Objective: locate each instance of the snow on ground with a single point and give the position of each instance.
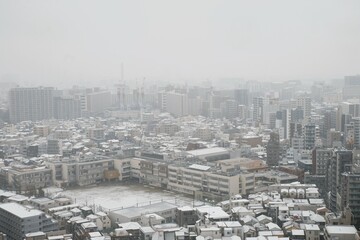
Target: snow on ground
(111, 197)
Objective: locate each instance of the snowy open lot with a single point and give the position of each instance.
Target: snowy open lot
(111, 197)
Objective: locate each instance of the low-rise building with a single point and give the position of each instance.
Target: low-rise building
(186, 216)
(340, 232)
(28, 179)
(133, 214)
(203, 181)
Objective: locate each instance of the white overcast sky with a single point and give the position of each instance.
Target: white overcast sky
(79, 41)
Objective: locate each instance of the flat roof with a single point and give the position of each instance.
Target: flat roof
(186, 208)
(213, 212)
(312, 227)
(138, 211)
(207, 151)
(297, 232)
(199, 167)
(232, 224)
(335, 229)
(35, 234)
(19, 210)
(41, 200)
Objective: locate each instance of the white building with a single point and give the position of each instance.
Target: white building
(341, 232)
(177, 104)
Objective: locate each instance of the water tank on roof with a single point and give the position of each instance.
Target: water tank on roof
(284, 192)
(292, 192)
(301, 193)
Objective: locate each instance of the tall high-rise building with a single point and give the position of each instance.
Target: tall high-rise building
(295, 130)
(231, 109)
(273, 149)
(98, 101)
(356, 127)
(31, 104)
(297, 114)
(329, 122)
(309, 135)
(242, 110)
(349, 194)
(283, 123)
(241, 96)
(351, 87)
(305, 104)
(320, 160)
(270, 107)
(340, 162)
(67, 108)
(258, 104)
(162, 101)
(177, 104)
(351, 108)
(195, 106)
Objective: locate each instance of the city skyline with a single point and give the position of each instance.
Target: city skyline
(179, 120)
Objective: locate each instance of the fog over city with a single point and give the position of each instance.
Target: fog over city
(61, 43)
(179, 120)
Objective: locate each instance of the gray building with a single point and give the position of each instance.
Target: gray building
(17, 220)
(340, 232)
(320, 160)
(351, 87)
(309, 133)
(67, 108)
(31, 104)
(133, 214)
(241, 96)
(27, 179)
(258, 105)
(356, 126)
(340, 162)
(350, 194)
(273, 150)
(186, 216)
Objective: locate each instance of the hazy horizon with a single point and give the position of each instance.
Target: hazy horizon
(86, 42)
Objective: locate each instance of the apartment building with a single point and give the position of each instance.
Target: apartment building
(92, 171)
(350, 193)
(67, 108)
(24, 178)
(133, 214)
(154, 173)
(210, 154)
(124, 168)
(41, 130)
(320, 160)
(205, 134)
(17, 220)
(340, 162)
(33, 104)
(341, 232)
(177, 104)
(203, 181)
(80, 171)
(186, 216)
(167, 128)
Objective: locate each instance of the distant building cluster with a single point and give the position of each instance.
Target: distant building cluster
(267, 160)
